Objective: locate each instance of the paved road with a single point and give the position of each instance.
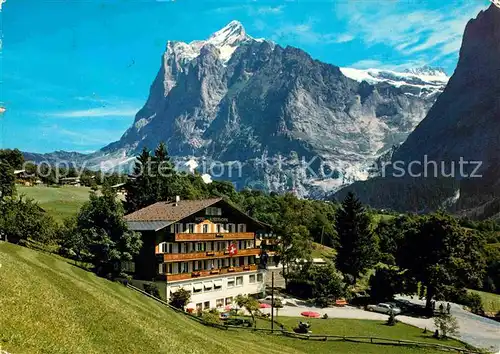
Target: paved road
(475, 330)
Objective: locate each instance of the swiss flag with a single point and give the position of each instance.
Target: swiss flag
(232, 249)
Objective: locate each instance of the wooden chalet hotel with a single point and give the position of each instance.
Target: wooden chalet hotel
(207, 247)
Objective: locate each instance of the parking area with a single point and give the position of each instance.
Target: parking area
(475, 330)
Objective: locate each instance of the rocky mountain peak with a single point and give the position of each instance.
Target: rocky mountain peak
(427, 71)
(235, 98)
(231, 34)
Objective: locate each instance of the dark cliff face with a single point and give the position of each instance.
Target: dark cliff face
(464, 123)
(264, 100)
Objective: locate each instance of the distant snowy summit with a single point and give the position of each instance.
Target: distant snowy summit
(422, 82)
(226, 40)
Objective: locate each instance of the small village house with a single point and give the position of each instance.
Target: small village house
(71, 181)
(208, 247)
(24, 178)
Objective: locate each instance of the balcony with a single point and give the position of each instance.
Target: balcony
(193, 256)
(214, 236)
(206, 273)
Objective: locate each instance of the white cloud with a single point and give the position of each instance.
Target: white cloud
(344, 38)
(410, 32)
(96, 112)
(387, 65)
(304, 33)
(270, 9)
(86, 138)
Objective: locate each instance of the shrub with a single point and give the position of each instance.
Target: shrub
(211, 317)
(180, 298)
(461, 296)
(447, 325)
(474, 302)
(325, 316)
(152, 289)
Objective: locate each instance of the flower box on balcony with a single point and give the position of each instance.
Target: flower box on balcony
(195, 274)
(219, 235)
(230, 270)
(210, 253)
(247, 267)
(214, 271)
(226, 252)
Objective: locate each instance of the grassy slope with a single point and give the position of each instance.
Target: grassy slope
(59, 202)
(491, 302)
(321, 251)
(51, 306)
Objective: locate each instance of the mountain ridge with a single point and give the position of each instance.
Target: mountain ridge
(294, 123)
(461, 126)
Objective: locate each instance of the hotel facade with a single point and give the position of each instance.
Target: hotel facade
(207, 247)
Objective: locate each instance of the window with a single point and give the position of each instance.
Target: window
(208, 286)
(251, 279)
(178, 228)
(169, 268)
(230, 283)
(229, 300)
(239, 281)
(213, 211)
(230, 228)
(184, 267)
(197, 288)
(190, 228)
(169, 248)
(242, 228)
(217, 285)
(198, 307)
(162, 268)
(251, 260)
(218, 227)
(200, 246)
(205, 228)
(206, 305)
(219, 303)
(161, 247)
(260, 278)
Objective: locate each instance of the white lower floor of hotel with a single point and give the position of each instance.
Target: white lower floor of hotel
(219, 291)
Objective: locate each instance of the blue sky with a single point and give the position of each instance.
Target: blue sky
(74, 73)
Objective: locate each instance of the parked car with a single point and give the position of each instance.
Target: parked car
(384, 308)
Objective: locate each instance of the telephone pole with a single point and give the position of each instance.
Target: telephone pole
(272, 302)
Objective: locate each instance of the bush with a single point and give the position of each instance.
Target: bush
(180, 298)
(447, 325)
(211, 317)
(152, 289)
(325, 316)
(300, 288)
(463, 297)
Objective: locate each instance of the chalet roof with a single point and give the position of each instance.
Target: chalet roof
(162, 214)
(170, 211)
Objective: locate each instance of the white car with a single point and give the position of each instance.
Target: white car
(384, 308)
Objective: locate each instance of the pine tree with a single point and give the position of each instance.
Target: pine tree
(140, 189)
(164, 175)
(358, 245)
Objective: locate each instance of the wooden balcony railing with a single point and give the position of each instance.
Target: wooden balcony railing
(207, 273)
(214, 236)
(182, 257)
